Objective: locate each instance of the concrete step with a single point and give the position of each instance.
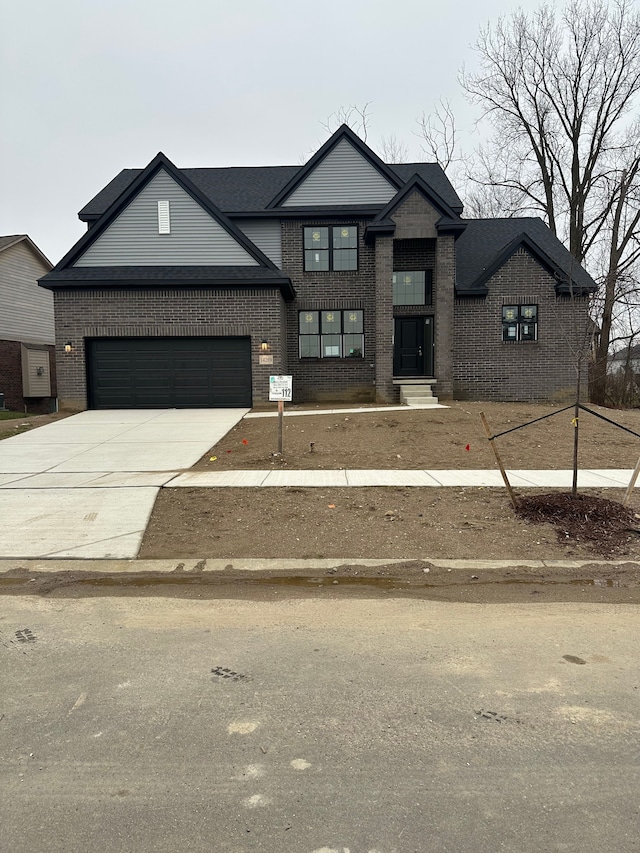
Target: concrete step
(421, 402)
(416, 390)
(417, 395)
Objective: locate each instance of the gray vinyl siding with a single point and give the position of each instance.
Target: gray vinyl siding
(26, 310)
(344, 176)
(196, 238)
(266, 235)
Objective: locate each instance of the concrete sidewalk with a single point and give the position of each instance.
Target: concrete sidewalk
(594, 478)
(605, 478)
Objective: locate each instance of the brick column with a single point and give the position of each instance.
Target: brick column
(385, 390)
(444, 298)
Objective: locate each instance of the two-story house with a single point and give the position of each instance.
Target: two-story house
(192, 286)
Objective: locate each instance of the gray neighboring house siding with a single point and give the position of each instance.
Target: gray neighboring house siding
(195, 238)
(26, 319)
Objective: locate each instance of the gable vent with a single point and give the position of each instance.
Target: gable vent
(164, 219)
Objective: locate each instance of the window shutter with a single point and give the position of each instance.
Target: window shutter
(164, 219)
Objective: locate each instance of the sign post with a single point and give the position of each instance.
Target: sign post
(280, 389)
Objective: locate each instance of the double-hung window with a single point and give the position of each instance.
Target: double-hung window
(332, 247)
(331, 334)
(519, 323)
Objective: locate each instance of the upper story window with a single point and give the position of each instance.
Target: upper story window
(333, 247)
(413, 287)
(519, 322)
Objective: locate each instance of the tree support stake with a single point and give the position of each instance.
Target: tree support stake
(499, 461)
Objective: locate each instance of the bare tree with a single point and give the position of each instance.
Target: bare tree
(357, 118)
(438, 134)
(558, 89)
(393, 150)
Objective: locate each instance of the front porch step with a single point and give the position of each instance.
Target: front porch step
(417, 395)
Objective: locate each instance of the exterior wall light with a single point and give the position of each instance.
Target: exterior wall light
(68, 347)
(264, 346)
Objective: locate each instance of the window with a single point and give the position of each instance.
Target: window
(331, 334)
(412, 288)
(519, 322)
(331, 248)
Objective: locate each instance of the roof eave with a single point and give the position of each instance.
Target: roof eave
(24, 238)
(58, 282)
(480, 291)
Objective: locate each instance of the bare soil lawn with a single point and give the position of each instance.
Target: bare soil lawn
(13, 423)
(429, 438)
(392, 523)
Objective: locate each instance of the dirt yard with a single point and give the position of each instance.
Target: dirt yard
(13, 423)
(429, 438)
(401, 523)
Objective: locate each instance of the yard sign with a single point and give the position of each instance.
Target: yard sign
(281, 388)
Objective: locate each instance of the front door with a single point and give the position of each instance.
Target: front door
(413, 346)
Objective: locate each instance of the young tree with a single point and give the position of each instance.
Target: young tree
(558, 89)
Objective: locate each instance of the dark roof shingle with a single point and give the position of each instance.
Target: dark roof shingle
(484, 239)
(249, 189)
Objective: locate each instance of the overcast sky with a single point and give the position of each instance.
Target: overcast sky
(89, 87)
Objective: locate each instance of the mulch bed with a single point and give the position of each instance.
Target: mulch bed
(606, 525)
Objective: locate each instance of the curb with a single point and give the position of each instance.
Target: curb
(232, 567)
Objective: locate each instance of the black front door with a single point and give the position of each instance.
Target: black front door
(413, 346)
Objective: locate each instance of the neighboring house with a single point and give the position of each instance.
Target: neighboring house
(627, 358)
(360, 279)
(27, 352)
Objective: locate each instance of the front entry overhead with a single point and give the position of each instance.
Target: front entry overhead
(180, 373)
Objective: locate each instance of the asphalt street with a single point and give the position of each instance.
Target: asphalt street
(317, 723)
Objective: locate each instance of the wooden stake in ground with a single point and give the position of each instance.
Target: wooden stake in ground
(498, 460)
(576, 423)
(632, 483)
(280, 414)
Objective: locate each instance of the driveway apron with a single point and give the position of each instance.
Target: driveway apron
(85, 486)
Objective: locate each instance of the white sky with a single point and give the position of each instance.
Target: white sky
(89, 87)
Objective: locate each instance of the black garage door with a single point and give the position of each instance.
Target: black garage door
(181, 373)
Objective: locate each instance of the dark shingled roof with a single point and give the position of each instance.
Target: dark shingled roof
(200, 276)
(249, 189)
(484, 240)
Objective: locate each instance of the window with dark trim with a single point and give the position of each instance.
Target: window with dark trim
(519, 323)
(331, 247)
(331, 334)
(413, 287)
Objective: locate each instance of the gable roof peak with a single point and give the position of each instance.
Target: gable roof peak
(344, 132)
(162, 162)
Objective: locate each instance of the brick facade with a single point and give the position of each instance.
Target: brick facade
(82, 314)
(317, 379)
(11, 381)
(486, 368)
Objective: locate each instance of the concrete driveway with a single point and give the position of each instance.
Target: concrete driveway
(85, 486)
